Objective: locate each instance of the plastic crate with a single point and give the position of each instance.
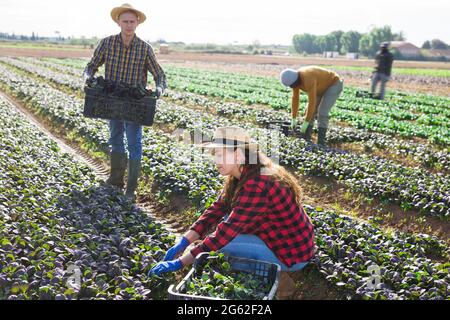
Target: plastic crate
(282, 126)
(269, 272)
(97, 104)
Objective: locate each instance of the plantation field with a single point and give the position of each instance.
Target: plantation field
(379, 196)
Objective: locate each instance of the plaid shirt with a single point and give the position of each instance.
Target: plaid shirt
(127, 64)
(264, 208)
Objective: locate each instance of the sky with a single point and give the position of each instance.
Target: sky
(229, 21)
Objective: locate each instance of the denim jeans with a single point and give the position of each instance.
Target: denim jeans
(252, 247)
(382, 78)
(134, 138)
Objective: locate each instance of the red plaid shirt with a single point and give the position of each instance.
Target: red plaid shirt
(266, 209)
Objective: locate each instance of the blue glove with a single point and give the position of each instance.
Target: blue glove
(158, 92)
(176, 249)
(304, 127)
(166, 266)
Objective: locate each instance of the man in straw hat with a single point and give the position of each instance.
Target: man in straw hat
(323, 87)
(127, 58)
(259, 213)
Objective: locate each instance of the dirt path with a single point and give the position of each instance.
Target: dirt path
(100, 169)
(293, 60)
(224, 58)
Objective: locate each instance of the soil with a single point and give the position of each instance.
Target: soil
(227, 58)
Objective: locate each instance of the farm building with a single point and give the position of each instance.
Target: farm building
(352, 55)
(330, 54)
(437, 53)
(406, 49)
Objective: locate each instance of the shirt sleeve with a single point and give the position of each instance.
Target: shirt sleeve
(97, 59)
(210, 217)
(250, 207)
(312, 103)
(155, 69)
(295, 102)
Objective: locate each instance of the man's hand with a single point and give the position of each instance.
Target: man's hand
(87, 77)
(158, 92)
(166, 266)
(304, 127)
(176, 249)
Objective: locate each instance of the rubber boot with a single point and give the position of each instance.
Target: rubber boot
(117, 171)
(322, 136)
(134, 170)
(308, 133)
(286, 287)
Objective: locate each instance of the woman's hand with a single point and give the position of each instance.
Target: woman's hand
(166, 266)
(177, 249)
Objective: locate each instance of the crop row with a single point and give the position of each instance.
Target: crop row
(374, 122)
(383, 115)
(63, 235)
(67, 111)
(424, 154)
(419, 103)
(346, 248)
(376, 177)
(427, 155)
(409, 187)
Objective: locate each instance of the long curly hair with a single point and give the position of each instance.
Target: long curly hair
(262, 165)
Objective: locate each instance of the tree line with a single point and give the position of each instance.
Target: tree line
(344, 42)
(56, 39)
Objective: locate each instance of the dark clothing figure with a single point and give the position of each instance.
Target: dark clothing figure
(384, 60)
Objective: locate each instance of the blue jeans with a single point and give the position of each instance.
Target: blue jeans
(134, 138)
(252, 247)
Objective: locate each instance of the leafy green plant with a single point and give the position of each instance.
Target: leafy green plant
(219, 280)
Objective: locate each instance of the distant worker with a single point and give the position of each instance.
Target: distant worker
(127, 58)
(323, 88)
(382, 71)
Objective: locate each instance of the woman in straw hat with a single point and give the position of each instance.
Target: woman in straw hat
(127, 58)
(259, 212)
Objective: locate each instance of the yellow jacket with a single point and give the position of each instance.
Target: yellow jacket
(314, 81)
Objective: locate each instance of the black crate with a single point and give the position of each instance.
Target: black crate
(97, 104)
(269, 272)
(280, 125)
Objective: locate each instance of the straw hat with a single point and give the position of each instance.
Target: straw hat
(229, 137)
(117, 11)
